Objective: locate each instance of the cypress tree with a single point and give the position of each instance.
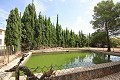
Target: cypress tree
(58, 33)
(38, 31)
(12, 37)
(49, 32)
(54, 40)
(63, 38)
(67, 37)
(28, 27)
(72, 39)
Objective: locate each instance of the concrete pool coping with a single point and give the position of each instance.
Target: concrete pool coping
(101, 50)
(7, 75)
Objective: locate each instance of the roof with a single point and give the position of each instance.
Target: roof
(2, 30)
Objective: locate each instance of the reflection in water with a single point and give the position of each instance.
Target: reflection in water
(90, 60)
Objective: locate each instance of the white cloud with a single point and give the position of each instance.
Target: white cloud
(80, 24)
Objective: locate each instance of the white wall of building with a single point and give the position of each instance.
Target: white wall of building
(2, 37)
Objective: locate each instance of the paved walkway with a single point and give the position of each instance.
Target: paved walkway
(6, 75)
(115, 76)
(115, 51)
(6, 59)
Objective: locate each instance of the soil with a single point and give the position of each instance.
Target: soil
(58, 49)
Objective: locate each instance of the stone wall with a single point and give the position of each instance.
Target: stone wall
(88, 73)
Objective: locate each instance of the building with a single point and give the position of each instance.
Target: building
(2, 37)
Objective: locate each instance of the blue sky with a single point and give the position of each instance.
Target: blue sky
(73, 14)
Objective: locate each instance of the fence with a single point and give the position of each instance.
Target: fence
(6, 55)
(55, 72)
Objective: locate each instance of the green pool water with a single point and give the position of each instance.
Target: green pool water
(63, 60)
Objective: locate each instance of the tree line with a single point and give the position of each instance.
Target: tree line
(34, 32)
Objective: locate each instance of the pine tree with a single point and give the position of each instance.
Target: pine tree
(105, 18)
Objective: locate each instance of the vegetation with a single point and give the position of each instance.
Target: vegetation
(106, 17)
(115, 41)
(32, 31)
(28, 28)
(12, 37)
(98, 39)
(39, 32)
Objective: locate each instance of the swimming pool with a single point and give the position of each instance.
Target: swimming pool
(65, 60)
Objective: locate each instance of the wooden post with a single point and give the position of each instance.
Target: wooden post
(17, 73)
(108, 57)
(8, 54)
(4, 54)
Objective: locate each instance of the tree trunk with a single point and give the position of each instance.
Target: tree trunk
(108, 57)
(108, 38)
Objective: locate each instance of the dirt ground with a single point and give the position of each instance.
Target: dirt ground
(117, 50)
(113, 50)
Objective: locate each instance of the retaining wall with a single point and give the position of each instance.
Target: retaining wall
(88, 73)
